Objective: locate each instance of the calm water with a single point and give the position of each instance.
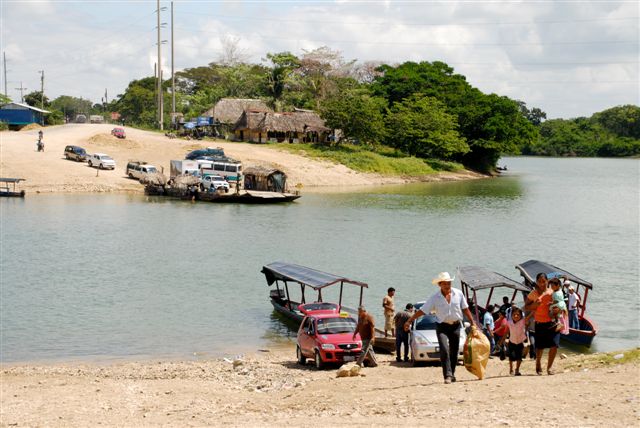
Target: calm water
(121, 276)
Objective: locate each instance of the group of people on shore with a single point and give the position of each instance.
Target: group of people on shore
(545, 305)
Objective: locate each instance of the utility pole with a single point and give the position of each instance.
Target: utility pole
(41, 89)
(160, 115)
(21, 89)
(173, 77)
(4, 57)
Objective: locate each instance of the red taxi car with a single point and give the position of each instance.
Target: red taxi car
(326, 335)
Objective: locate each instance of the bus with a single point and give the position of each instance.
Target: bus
(231, 170)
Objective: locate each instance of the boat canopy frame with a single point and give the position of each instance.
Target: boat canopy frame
(473, 279)
(306, 277)
(531, 268)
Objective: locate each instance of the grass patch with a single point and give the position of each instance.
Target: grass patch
(380, 160)
(605, 360)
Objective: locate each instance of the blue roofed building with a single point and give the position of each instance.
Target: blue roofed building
(18, 114)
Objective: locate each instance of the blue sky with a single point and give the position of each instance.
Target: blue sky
(570, 58)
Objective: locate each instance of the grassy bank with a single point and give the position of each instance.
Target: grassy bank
(380, 160)
(604, 359)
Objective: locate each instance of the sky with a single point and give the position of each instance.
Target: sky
(569, 58)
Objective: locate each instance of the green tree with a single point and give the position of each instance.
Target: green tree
(71, 106)
(4, 99)
(421, 126)
(279, 75)
(138, 103)
(35, 99)
(622, 121)
(357, 114)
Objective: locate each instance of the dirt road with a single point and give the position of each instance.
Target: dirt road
(50, 172)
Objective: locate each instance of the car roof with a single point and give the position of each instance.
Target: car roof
(321, 315)
(100, 154)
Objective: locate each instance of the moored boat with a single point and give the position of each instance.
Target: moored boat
(6, 191)
(282, 274)
(587, 330)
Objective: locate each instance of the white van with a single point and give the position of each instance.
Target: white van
(138, 170)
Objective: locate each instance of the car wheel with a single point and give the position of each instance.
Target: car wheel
(226, 190)
(414, 363)
(101, 166)
(301, 358)
(130, 175)
(90, 164)
(318, 360)
(202, 187)
(66, 156)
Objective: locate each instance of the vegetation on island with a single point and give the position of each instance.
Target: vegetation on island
(422, 112)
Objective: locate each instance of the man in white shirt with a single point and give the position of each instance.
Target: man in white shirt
(574, 302)
(449, 306)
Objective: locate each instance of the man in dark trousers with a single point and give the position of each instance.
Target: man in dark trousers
(449, 305)
(402, 337)
(366, 328)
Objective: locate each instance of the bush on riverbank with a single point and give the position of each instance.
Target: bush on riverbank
(380, 160)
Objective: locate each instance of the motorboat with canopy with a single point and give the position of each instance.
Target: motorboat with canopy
(587, 330)
(473, 279)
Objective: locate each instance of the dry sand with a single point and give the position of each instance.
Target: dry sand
(270, 389)
(50, 172)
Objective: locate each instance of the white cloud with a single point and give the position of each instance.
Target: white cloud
(553, 55)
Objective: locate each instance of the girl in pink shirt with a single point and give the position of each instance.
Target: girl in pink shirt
(517, 337)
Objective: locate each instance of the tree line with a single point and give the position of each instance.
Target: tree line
(421, 109)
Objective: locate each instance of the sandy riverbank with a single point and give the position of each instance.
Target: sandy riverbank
(50, 172)
(270, 389)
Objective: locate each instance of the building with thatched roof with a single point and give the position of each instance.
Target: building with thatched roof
(296, 126)
(227, 111)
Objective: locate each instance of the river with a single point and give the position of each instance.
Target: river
(118, 276)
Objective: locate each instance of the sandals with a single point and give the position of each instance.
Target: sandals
(550, 372)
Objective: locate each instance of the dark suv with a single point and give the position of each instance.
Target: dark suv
(209, 151)
(76, 153)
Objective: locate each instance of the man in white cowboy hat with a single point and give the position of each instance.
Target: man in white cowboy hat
(449, 306)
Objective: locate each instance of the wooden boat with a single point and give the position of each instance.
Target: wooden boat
(6, 191)
(242, 197)
(283, 274)
(587, 332)
(474, 279)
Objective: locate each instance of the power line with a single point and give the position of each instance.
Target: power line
(411, 24)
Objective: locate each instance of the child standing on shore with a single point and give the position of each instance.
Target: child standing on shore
(517, 337)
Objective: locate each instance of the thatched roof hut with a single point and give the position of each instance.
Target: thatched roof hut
(229, 110)
(296, 121)
(265, 179)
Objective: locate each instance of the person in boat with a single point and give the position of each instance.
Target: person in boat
(546, 337)
(366, 327)
(488, 325)
(402, 337)
(389, 311)
(449, 306)
(574, 304)
(505, 306)
(500, 330)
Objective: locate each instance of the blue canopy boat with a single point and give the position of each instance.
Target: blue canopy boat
(587, 330)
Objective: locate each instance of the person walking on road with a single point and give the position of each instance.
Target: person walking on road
(449, 305)
(402, 337)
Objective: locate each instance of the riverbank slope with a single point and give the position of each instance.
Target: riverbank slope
(50, 172)
(271, 389)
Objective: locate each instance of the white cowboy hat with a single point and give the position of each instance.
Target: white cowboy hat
(442, 277)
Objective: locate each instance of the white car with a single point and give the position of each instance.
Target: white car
(212, 183)
(102, 161)
(423, 340)
(139, 170)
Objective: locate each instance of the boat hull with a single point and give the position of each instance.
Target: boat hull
(583, 336)
(19, 194)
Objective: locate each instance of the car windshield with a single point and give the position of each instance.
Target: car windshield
(336, 325)
(427, 322)
(105, 157)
